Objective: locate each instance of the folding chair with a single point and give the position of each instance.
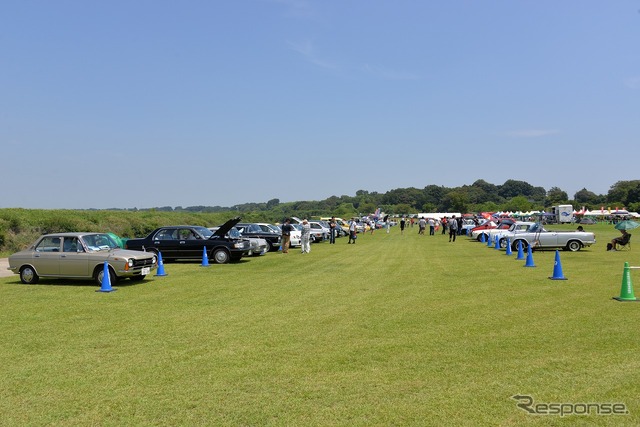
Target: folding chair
(626, 246)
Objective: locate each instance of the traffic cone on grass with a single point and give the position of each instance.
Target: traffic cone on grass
(529, 262)
(482, 238)
(205, 258)
(520, 251)
(508, 252)
(160, 271)
(626, 290)
(496, 244)
(105, 285)
(557, 269)
(488, 241)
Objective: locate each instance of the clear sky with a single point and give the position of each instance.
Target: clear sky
(145, 103)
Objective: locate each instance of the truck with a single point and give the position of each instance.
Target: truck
(563, 213)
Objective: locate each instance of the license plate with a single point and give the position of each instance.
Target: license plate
(145, 271)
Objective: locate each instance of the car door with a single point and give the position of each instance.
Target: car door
(166, 241)
(46, 257)
(74, 261)
(190, 246)
(548, 239)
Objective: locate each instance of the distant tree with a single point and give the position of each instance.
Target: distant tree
(625, 192)
(273, 203)
(346, 210)
(403, 209)
(433, 194)
(487, 207)
(518, 203)
(538, 194)
(555, 196)
(585, 197)
(455, 201)
(512, 188)
(429, 207)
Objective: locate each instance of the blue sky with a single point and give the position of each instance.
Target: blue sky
(164, 103)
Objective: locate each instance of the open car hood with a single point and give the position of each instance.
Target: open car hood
(224, 228)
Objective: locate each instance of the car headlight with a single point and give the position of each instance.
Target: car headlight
(130, 262)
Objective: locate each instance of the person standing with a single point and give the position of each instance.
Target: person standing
(286, 235)
(422, 224)
(332, 230)
(305, 236)
(402, 223)
(453, 228)
(445, 224)
(353, 230)
(386, 223)
(432, 227)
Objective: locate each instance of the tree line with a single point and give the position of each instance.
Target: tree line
(481, 196)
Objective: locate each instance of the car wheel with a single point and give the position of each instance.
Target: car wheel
(502, 243)
(574, 246)
(486, 236)
(98, 275)
(221, 256)
(28, 275)
(269, 246)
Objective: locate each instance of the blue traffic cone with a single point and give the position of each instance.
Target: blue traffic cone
(205, 258)
(482, 238)
(557, 269)
(508, 252)
(529, 262)
(496, 243)
(488, 241)
(160, 271)
(520, 251)
(105, 285)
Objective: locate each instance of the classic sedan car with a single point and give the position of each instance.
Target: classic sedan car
(540, 238)
(80, 256)
(254, 230)
(188, 242)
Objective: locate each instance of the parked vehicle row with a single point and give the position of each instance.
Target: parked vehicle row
(83, 255)
(535, 235)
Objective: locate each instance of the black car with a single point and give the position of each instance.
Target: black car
(188, 242)
(254, 230)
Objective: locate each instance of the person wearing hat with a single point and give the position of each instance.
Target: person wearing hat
(305, 237)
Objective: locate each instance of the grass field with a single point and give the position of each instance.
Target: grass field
(394, 330)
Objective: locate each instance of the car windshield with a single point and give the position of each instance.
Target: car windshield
(275, 228)
(535, 228)
(99, 242)
(297, 227)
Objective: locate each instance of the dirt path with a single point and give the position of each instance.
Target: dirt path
(4, 264)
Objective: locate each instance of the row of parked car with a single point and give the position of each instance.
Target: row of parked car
(82, 255)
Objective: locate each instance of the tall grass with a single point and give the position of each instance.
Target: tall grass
(394, 330)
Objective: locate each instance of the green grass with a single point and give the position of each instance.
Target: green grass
(395, 330)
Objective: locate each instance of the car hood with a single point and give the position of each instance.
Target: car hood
(224, 228)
